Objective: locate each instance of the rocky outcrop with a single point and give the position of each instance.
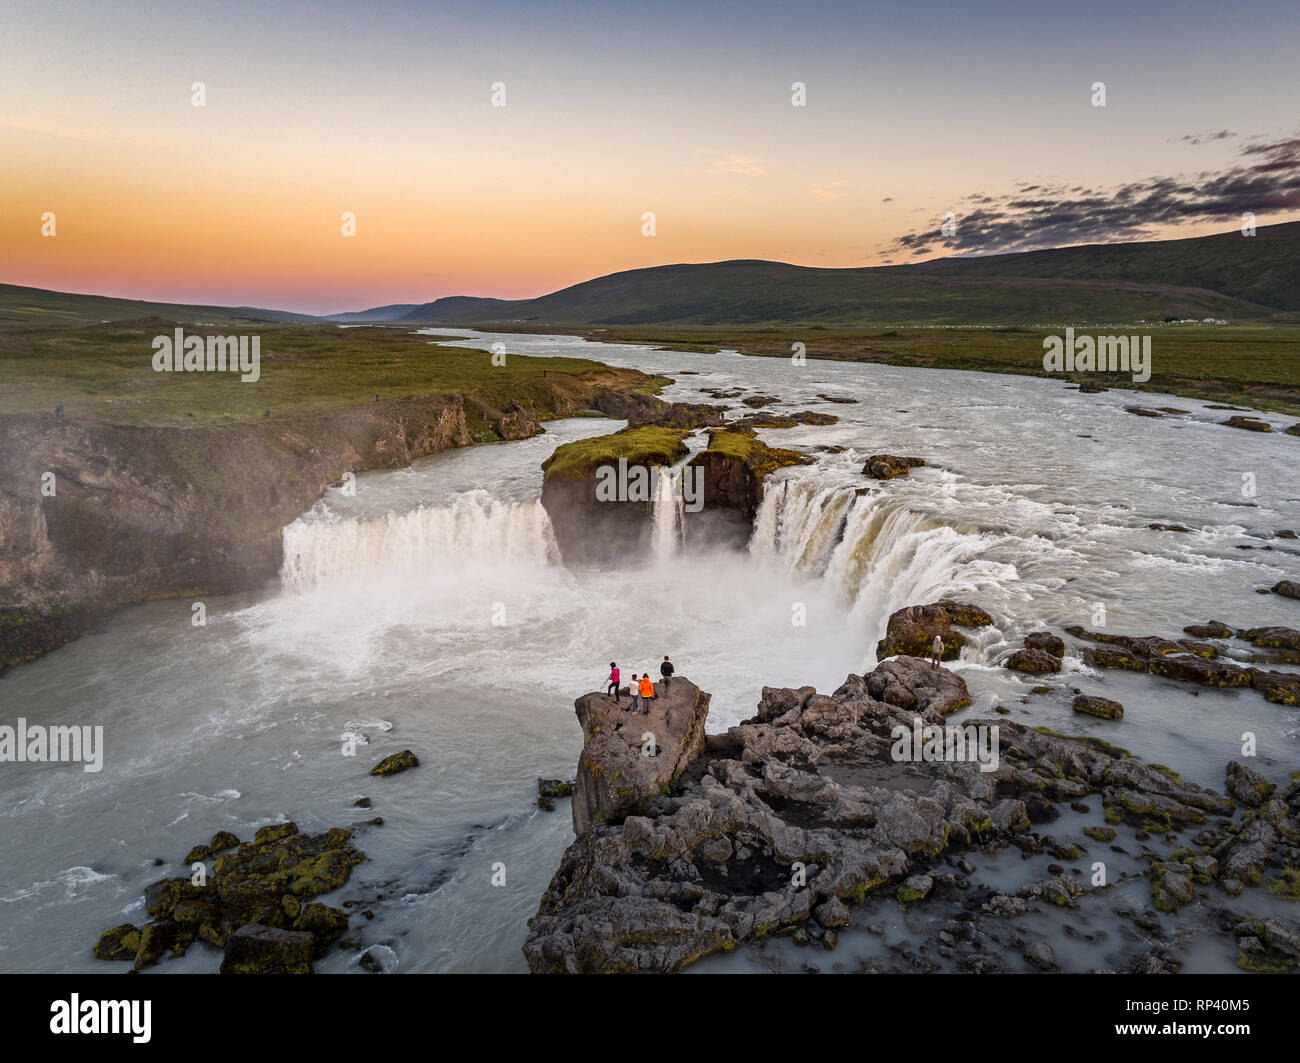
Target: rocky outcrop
(887, 466)
(627, 758)
(599, 493)
(734, 467)
(255, 903)
(640, 409)
(912, 630)
(1250, 424)
(816, 805)
(1196, 662)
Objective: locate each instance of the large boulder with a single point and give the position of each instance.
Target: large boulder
(629, 759)
(911, 631)
(257, 949)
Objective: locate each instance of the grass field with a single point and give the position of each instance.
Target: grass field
(105, 373)
(1256, 366)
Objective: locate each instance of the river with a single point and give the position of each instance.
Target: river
(430, 612)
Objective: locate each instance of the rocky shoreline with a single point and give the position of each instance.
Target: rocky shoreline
(789, 821)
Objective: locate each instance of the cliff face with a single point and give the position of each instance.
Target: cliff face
(726, 478)
(145, 512)
(628, 759)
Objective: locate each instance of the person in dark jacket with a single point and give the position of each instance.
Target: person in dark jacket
(666, 670)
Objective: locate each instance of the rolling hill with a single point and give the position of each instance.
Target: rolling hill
(1223, 276)
(39, 306)
(1227, 276)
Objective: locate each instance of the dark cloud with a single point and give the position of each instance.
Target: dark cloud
(1202, 138)
(1265, 179)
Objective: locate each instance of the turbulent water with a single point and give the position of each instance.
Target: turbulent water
(429, 611)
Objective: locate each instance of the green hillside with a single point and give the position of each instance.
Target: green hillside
(24, 307)
(1227, 276)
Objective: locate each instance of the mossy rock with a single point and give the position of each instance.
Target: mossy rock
(274, 832)
(1102, 708)
(160, 897)
(1100, 834)
(258, 949)
(1285, 885)
(221, 841)
(1033, 662)
(643, 445)
(398, 762)
(119, 943)
(155, 939)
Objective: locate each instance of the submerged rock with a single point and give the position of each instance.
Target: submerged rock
(1095, 706)
(887, 466)
(1034, 662)
(1251, 424)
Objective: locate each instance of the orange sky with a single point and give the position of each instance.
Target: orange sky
(321, 108)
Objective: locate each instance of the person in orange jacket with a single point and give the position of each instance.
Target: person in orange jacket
(647, 692)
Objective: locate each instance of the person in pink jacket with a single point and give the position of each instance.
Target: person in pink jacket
(613, 680)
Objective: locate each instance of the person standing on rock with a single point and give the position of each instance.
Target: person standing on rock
(936, 651)
(666, 670)
(647, 692)
(636, 693)
(613, 681)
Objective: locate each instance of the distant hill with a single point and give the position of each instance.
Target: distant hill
(1225, 276)
(38, 306)
(1245, 279)
(1262, 269)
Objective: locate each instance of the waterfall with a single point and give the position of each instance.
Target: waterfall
(668, 507)
(475, 527)
(878, 553)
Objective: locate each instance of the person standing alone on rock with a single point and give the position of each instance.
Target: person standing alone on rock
(636, 693)
(647, 692)
(613, 681)
(936, 651)
(666, 670)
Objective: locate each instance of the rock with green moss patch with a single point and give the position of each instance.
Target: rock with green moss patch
(256, 949)
(395, 763)
(1033, 662)
(119, 943)
(1102, 708)
(1247, 785)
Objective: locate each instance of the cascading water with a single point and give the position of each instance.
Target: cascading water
(876, 552)
(668, 507)
(323, 548)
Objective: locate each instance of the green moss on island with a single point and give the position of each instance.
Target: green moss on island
(645, 445)
(757, 456)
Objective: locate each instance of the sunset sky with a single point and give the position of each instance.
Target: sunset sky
(684, 109)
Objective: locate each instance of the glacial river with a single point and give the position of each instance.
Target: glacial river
(429, 612)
